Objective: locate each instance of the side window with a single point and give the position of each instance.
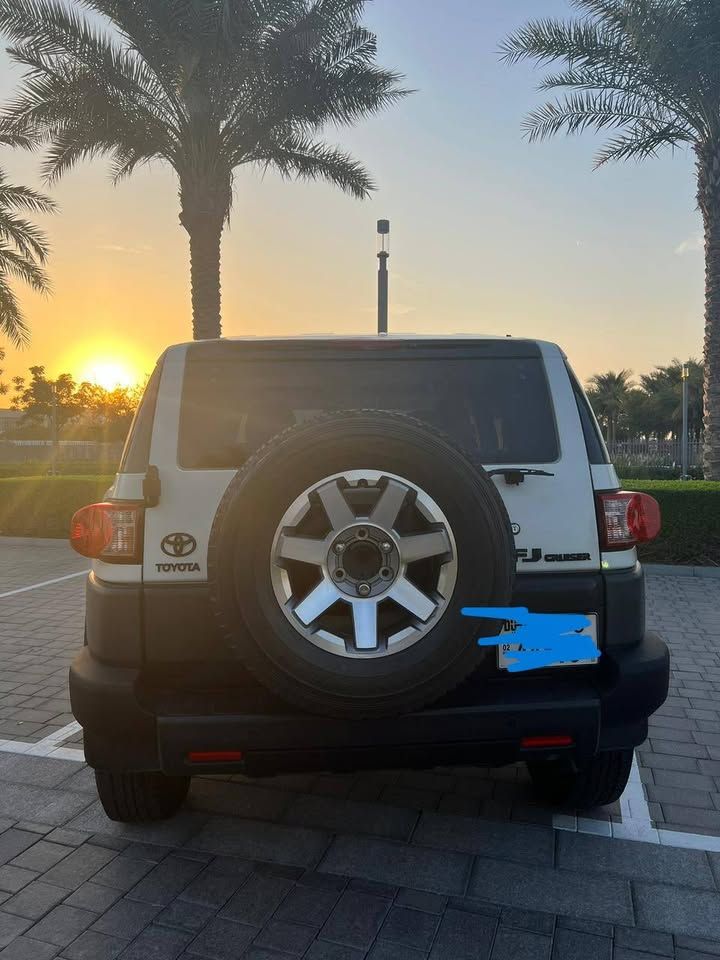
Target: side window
(136, 456)
(596, 449)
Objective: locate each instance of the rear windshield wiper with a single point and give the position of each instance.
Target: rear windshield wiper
(514, 476)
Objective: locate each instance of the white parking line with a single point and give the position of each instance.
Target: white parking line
(636, 822)
(46, 583)
(49, 746)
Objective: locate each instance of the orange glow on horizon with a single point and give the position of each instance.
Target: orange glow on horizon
(106, 363)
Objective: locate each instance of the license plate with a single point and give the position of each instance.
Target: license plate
(506, 650)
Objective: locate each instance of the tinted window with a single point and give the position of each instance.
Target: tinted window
(498, 409)
(136, 456)
(596, 449)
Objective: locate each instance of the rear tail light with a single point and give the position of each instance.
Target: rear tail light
(544, 743)
(112, 532)
(627, 519)
(215, 756)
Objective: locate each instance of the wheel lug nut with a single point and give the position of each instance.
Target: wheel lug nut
(339, 574)
(339, 548)
(364, 589)
(386, 547)
(362, 532)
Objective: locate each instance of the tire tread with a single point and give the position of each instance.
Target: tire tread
(140, 797)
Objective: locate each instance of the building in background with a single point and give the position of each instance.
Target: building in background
(9, 421)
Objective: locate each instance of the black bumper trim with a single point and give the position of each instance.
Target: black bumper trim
(602, 714)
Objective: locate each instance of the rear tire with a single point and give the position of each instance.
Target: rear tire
(596, 784)
(140, 797)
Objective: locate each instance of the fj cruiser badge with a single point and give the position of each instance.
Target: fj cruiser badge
(536, 555)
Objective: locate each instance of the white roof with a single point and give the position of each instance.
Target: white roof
(545, 346)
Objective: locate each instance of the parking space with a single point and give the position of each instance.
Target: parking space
(41, 624)
(388, 865)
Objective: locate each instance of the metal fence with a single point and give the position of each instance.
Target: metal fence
(656, 453)
(41, 451)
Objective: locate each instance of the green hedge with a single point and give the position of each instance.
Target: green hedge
(43, 506)
(691, 521)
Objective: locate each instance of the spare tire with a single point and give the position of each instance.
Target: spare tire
(342, 555)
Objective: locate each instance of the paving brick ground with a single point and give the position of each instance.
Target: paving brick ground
(39, 634)
(384, 865)
(680, 762)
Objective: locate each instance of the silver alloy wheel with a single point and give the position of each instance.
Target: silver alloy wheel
(364, 564)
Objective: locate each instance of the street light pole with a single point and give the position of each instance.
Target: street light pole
(685, 423)
(383, 229)
(54, 421)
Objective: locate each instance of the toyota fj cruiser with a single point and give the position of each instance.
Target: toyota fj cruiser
(281, 566)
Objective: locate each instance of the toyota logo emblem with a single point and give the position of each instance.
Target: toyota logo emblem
(179, 545)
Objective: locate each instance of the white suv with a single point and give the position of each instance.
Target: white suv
(283, 563)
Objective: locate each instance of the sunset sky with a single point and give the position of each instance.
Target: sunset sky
(490, 234)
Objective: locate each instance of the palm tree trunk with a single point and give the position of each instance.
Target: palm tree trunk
(204, 222)
(709, 200)
(205, 244)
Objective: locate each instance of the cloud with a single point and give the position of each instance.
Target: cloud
(118, 248)
(691, 245)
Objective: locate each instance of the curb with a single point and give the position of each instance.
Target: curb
(675, 570)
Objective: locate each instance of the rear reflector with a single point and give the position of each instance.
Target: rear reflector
(538, 743)
(111, 532)
(216, 756)
(627, 519)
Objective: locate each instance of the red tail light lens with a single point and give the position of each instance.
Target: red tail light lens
(111, 532)
(542, 743)
(627, 519)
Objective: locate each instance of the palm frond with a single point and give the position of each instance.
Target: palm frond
(643, 140)
(583, 110)
(17, 264)
(12, 321)
(24, 198)
(297, 156)
(25, 236)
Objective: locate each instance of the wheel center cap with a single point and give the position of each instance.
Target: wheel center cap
(362, 560)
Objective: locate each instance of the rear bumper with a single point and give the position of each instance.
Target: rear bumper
(600, 709)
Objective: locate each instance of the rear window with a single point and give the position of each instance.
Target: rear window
(497, 408)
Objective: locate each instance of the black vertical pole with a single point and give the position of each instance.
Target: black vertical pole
(383, 292)
(685, 419)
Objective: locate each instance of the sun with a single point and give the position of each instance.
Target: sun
(109, 374)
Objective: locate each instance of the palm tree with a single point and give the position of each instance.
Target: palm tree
(204, 86)
(608, 394)
(662, 391)
(23, 253)
(649, 70)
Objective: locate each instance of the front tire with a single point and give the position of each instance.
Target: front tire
(140, 797)
(602, 781)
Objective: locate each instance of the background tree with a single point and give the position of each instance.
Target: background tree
(3, 386)
(103, 415)
(662, 391)
(84, 412)
(35, 398)
(608, 393)
(204, 86)
(23, 251)
(650, 71)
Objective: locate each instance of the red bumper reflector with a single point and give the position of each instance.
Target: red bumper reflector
(216, 756)
(537, 743)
